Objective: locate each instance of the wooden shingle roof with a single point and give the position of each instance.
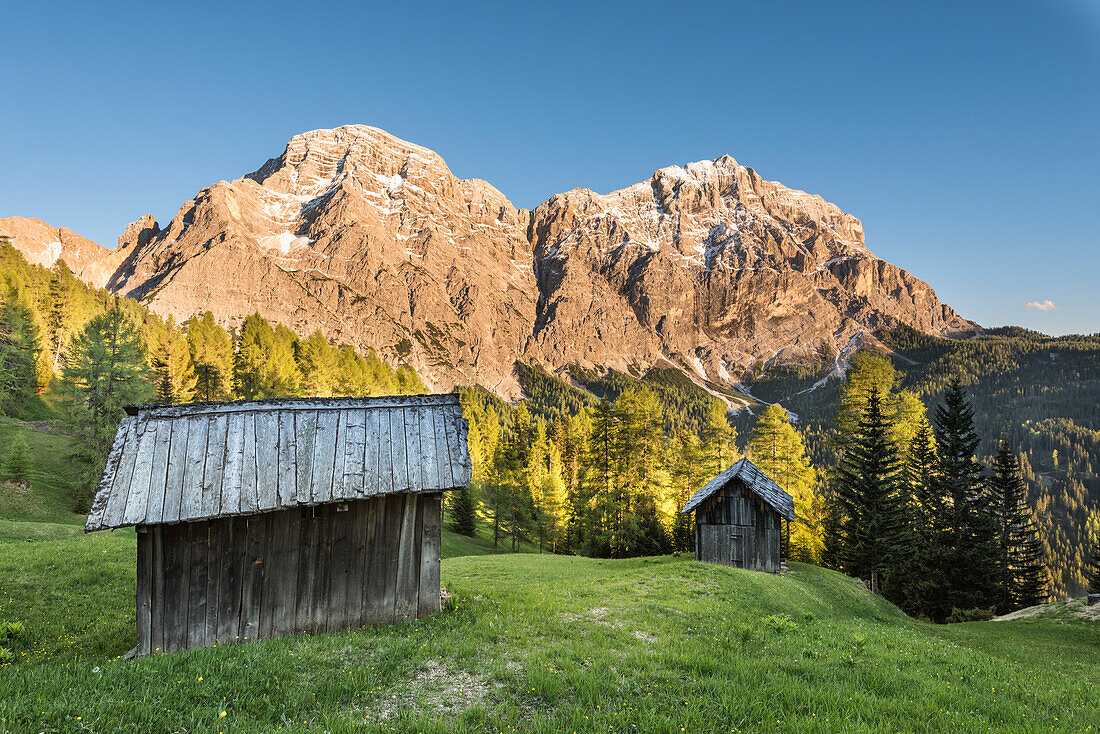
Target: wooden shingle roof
(204, 460)
(755, 480)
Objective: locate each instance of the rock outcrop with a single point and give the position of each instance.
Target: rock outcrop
(374, 241)
(43, 244)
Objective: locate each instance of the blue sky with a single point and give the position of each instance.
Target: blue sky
(963, 134)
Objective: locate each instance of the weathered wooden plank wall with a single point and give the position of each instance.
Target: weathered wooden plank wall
(736, 528)
(305, 569)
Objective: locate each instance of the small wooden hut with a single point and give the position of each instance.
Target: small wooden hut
(261, 518)
(742, 519)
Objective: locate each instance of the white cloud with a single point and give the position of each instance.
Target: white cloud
(1047, 305)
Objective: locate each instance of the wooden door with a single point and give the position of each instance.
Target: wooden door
(737, 559)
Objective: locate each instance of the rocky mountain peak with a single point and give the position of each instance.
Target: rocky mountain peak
(373, 240)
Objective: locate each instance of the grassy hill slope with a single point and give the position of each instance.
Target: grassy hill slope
(549, 644)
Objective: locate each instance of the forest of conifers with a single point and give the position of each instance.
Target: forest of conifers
(598, 462)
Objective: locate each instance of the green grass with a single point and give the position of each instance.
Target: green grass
(50, 496)
(546, 644)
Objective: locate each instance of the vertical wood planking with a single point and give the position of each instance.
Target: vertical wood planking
(274, 530)
(429, 469)
(384, 473)
(324, 452)
(249, 495)
(104, 490)
(413, 449)
(454, 444)
(340, 565)
(431, 542)
(159, 605)
(398, 456)
(321, 588)
(235, 542)
(288, 460)
(408, 563)
(339, 454)
(442, 448)
(351, 484)
(252, 578)
(217, 535)
(197, 536)
(462, 453)
(371, 597)
(305, 434)
(137, 504)
(158, 472)
(234, 459)
(357, 562)
(288, 551)
(369, 485)
(191, 493)
(267, 460)
(129, 429)
(179, 537)
(144, 590)
(214, 473)
(308, 530)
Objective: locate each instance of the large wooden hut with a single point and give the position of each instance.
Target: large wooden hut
(260, 518)
(742, 519)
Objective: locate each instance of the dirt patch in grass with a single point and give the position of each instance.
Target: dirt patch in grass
(1074, 607)
(599, 615)
(437, 690)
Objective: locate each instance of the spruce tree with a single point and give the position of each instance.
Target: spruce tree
(969, 550)
(1092, 564)
(19, 350)
(464, 511)
(1022, 575)
(17, 461)
(873, 524)
(922, 575)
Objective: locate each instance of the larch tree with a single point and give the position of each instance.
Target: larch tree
(211, 349)
(172, 371)
(776, 446)
(264, 366)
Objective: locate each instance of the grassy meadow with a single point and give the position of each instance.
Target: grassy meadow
(527, 642)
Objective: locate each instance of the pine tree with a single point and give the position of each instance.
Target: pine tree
(17, 461)
(777, 448)
(1023, 578)
(969, 552)
(211, 350)
(873, 524)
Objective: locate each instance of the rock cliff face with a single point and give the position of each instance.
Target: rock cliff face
(713, 268)
(42, 244)
(374, 241)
